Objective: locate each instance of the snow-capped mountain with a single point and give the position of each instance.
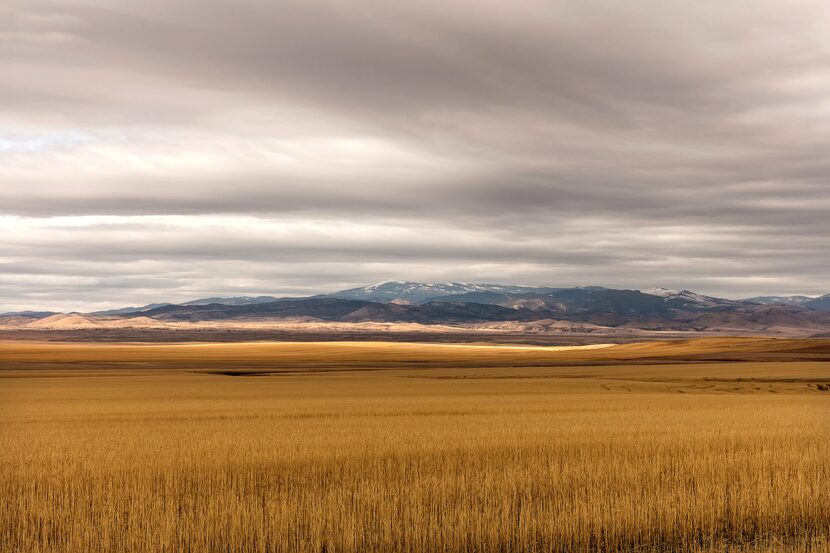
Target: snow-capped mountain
(687, 297)
(462, 303)
(416, 292)
(821, 303)
(789, 300)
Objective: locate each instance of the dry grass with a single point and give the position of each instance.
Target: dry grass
(504, 450)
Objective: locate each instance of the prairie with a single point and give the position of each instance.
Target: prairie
(702, 445)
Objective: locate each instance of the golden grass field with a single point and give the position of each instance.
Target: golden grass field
(706, 445)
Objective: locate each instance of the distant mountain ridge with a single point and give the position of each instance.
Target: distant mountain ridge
(236, 300)
(34, 314)
(462, 303)
(455, 303)
(790, 300)
(417, 292)
(821, 303)
(340, 309)
(690, 298)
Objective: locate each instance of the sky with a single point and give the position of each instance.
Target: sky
(166, 150)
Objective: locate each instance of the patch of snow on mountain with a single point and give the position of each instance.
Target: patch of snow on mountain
(790, 300)
(415, 291)
(688, 297)
(662, 292)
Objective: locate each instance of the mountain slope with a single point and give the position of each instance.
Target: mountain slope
(130, 310)
(338, 309)
(790, 300)
(417, 292)
(821, 303)
(688, 299)
(321, 308)
(763, 318)
(238, 300)
(572, 301)
(31, 314)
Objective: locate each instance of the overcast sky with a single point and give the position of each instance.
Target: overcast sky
(165, 150)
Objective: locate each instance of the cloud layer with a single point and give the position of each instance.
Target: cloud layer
(165, 150)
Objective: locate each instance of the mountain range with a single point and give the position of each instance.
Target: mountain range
(654, 309)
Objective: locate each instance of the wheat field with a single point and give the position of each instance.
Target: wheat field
(414, 448)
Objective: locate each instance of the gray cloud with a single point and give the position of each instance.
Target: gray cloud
(173, 148)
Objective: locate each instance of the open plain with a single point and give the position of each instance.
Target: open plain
(704, 445)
